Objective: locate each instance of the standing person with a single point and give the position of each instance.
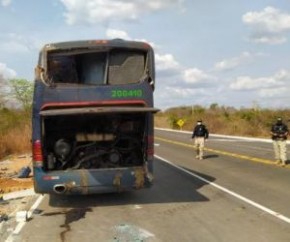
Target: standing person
(279, 133)
(199, 134)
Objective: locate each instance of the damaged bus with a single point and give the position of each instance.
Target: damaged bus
(93, 117)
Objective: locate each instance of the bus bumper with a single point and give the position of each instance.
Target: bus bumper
(91, 181)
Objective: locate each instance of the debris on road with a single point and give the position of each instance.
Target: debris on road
(9, 183)
(24, 172)
(18, 194)
(21, 216)
(3, 217)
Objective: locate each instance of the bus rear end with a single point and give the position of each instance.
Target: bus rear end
(93, 117)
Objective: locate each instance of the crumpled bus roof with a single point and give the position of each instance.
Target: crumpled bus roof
(96, 43)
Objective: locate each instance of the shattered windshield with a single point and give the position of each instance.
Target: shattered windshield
(119, 66)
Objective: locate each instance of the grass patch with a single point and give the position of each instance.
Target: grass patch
(15, 132)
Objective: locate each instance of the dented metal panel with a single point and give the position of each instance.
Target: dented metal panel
(92, 181)
(117, 180)
(140, 177)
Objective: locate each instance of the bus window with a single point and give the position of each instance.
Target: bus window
(126, 67)
(92, 68)
(62, 69)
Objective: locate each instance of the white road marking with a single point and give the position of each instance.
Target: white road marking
(254, 204)
(20, 225)
(137, 206)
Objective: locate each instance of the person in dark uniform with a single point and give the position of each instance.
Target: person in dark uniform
(199, 134)
(279, 132)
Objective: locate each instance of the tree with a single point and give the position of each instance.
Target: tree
(213, 106)
(3, 91)
(22, 91)
(1, 101)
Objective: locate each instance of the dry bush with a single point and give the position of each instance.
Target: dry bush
(2, 146)
(161, 122)
(225, 120)
(16, 140)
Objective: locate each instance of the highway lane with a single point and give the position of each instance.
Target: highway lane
(264, 150)
(237, 169)
(183, 204)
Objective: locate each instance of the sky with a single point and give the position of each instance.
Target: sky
(231, 53)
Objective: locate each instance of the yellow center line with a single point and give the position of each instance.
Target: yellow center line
(244, 157)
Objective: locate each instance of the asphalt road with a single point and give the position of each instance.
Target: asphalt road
(235, 194)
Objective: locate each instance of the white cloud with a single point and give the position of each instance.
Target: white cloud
(177, 76)
(15, 43)
(268, 25)
(172, 96)
(166, 62)
(268, 93)
(275, 85)
(6, 73)
(177, 93)
(269, 20)
(230, 64)
(178, 81)
(198, 78)
(274, 40)
(6, 3)
(13, 47)
(177, 85)
(168, 71)
(104, 11)
(249, 83)
(271, 91)
(283, 75)
(115, 33)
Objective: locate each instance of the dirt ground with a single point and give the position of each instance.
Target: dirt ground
(9, 169)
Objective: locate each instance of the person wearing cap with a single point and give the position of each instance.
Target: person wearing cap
(199, 134)
(279, 134)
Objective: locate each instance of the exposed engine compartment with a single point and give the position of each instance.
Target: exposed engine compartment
(94, 141)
